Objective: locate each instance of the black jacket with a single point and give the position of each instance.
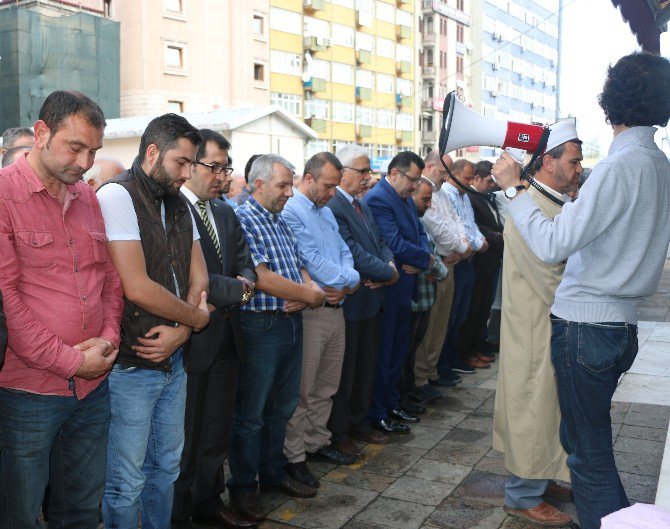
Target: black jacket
(487, 263)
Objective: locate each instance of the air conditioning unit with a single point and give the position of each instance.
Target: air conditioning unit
(326, 42)
(494, 93)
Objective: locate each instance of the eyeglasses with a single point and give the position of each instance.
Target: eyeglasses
(413, 180)
(363, 172)
(216, 168)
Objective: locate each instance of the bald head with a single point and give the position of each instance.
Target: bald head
(103, 170)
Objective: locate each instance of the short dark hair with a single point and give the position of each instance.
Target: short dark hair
(165, 131)
(10, 136)
(637, 91)
(61, 104)
(483, 168)
(461, 164)
(316, 163)
(247, 167)
(207, 135)
(404, 160)
(555, 153)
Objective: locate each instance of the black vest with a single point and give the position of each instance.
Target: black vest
(167, 253)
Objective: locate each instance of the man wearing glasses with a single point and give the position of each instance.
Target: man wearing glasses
(214, 358)
(396, 214)
(15, 142)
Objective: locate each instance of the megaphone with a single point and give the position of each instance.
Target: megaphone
(463, 127)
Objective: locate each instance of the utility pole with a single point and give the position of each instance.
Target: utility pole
(559, 61)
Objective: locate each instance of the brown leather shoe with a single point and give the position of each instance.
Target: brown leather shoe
(248, 505)
(486, 358)
(373, 436)
(559, 490)
(476, 363)
(348, 447)
(225, 518)
(544, 515)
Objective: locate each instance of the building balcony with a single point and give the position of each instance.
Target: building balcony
(314, 85)
(403, 33)
(316, 43)
(403, 101)
(319, 125)
(403, 136)
(363, 94)
(429, 136)
(429, 71)
(363, 131)
(403, 67)
(314, 5)
(363, 57)
(428, 39)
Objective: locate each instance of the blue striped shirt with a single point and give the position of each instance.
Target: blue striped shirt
(272, 242)
(464, 210)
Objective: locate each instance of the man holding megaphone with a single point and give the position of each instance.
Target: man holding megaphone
(615, 239)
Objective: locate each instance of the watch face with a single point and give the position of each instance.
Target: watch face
(510, 192)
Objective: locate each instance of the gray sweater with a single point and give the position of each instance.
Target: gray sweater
(615, 236)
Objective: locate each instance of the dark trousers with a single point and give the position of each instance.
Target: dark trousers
(419, 325)
(352, 400)
(589, 358)
(473, 328)
(57, 440)
(393, 349)
(464, 278)
(210, 403)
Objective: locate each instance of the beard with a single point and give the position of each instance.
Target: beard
(164, 179)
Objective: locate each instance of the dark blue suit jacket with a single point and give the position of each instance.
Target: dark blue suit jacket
(371, 256)
(399, 223)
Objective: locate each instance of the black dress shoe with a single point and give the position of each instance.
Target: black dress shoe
(247, 504)
(300, 472)
(225, 518)
(413, 408)
(333, 455)
(292, 488)
(389, 426)
(402, 415)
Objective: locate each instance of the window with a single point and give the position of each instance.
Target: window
(288, 102)
(365, 115)
(287, 21)
(342, 35)
(343, 73)
(175, 58)
(340, 144)
(404, 53)
(443, 59)
(315, 27)
(283, 62)
(107, 8)
(317, 108)
(385, 83)
(344, 3)
(316, 146)
(404, 86)
(429, 57)
(365, 41)
(177, 107)
(443, 26)
(319, 69)
(429, 90)
(460, 33)
(259, 72)
(385, 12)
(428, 124)
(386, 119)
(173, 6)
(385, 48)
(365, 79)
(343, 112)
(385, 151)
(405, 121)
(429, 25)
(403, 18)
(259, 25)
(460, 5)
(459, 65)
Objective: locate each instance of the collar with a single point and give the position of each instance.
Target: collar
(190, 195)
(560, 196)
(301, 197)
(35, 185)
(255, 206)
(639, 135)
(346, 195)
(156, 191)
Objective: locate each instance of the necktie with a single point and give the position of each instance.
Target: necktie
(209, 227)
(357, 209)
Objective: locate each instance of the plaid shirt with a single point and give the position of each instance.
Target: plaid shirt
(270, 241)
(425, 296)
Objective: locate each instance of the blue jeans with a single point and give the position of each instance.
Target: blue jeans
(464, 281)
(524, 493)
(146, 437)
(589, 358)
(267, 395)
(61, 441)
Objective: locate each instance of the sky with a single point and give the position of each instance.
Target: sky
(594, 36)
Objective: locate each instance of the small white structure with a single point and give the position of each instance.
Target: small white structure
(251, 130)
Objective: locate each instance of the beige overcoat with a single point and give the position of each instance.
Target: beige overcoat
(527, 416)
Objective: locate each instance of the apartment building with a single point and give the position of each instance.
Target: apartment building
(348, 68)
(446, 49)
(514, 69)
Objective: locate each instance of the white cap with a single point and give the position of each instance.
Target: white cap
(561, 131)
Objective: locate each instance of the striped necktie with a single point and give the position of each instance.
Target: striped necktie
(208, 226)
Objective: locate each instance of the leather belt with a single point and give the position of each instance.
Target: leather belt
(277, 313)
(332, 305)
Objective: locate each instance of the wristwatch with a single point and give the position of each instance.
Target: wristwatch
(511, 192)
(248, 293)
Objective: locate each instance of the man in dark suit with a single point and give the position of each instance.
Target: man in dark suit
(394, 210)
(215, 354)
(486, 265)
(362, 310)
